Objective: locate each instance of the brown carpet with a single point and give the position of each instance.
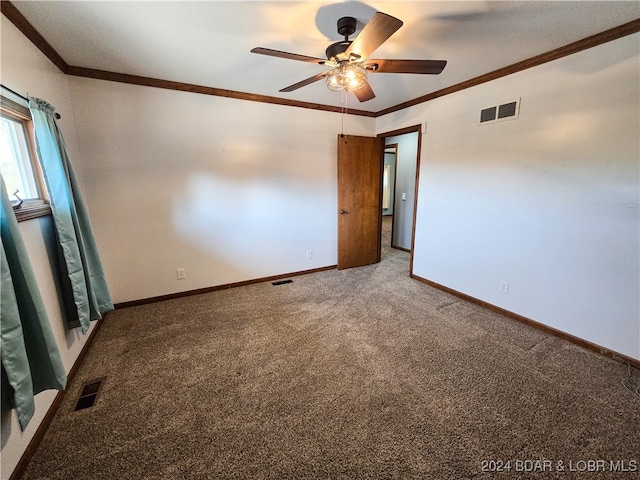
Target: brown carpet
(355, 374)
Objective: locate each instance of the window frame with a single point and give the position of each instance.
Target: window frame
(38, 207)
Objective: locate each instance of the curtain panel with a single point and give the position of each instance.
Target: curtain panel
(84, 286)
(31, 361)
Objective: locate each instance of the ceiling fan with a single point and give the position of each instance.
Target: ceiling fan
(349, 59)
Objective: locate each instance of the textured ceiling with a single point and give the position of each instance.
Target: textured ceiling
(208, 43)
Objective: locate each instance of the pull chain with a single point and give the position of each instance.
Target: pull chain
(344, 110)
(342, 114)
(346, 107)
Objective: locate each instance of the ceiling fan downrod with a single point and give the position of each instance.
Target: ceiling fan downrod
(346, 27)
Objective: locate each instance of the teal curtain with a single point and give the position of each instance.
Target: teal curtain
(31, 361)
(84, 286)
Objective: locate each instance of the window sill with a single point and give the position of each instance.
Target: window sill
(32, 209)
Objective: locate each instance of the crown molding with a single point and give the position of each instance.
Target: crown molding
(575, 47)
(217, 92)
(14, 16)
(11, 12)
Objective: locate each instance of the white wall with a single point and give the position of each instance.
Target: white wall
(547, 202)
(390, 160)
(26, 70)
(405, 183)
(229, 190)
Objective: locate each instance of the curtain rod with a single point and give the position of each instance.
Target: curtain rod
(58, 116)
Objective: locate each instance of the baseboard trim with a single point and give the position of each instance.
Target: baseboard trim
(540, 326)
(226, 286)
(22, 465)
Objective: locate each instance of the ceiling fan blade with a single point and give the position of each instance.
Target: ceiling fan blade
(365, 93)
(429, 67)
(304, 82)
(374, 34)
(290, 56)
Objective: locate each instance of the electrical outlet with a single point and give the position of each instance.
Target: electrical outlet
(504, 287)
(309, 254)
(181, 273)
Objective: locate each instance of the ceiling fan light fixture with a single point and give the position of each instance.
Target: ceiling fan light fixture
(347, 77)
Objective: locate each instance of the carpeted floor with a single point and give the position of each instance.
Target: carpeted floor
(362, 373)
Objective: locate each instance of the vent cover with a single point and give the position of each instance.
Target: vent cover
(506, 111)
(88, 395)
(488, 114)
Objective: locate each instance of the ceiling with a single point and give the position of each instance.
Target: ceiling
(208, 43)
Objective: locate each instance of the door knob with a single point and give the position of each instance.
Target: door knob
(342, 212)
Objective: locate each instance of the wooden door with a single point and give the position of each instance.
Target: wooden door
(360, 162)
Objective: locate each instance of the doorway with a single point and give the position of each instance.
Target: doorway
(360, 195)
(402, 154)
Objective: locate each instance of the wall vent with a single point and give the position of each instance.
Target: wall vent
(488, 114)
(506, 111)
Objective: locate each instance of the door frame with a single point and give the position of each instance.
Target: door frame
(394, 133)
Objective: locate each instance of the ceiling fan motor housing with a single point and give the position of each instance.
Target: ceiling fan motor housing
(336, 49)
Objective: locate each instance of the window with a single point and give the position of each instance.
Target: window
(20, 172)
(15, 165)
